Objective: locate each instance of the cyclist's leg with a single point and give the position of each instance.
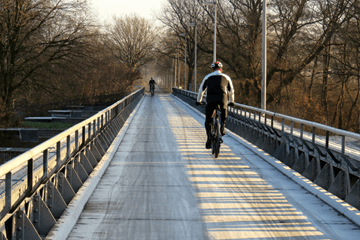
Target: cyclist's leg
(209, 109)
(224, 115)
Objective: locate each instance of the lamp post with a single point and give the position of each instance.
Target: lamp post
(264, 55)
(213, 3)
(195, 49)
(184, 35)
(178, 65)
(173, 68)
(177, 62)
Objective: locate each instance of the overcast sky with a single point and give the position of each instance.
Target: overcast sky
(107, 8)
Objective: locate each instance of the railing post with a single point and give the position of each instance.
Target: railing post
(89, 130)
(58, 155)
(45, 162)
(265, 119)
(83, 135)
(259, 117)
(30, 174)
(76, 140)
(98, 125)
(327, 139)
(68, 147)
(8, 184)
(94, 128)
(343, 145)
(313, 131)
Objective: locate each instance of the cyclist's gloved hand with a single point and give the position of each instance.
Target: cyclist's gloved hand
(197, 103)
(231, 104)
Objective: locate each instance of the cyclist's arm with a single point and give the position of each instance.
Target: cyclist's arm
(230, 89)
(202, 90)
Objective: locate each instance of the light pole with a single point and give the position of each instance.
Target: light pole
(184, 35)
(195, 49)
(173, 68)
(213, 3)
(178, 65)
(177, 62)
(264, 55)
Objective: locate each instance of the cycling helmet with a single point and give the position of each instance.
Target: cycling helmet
(216, 65)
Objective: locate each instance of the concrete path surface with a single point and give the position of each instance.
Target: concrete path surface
(162, 183)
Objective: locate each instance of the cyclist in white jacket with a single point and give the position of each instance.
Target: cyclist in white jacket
(219, 90)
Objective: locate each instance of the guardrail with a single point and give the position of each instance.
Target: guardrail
(37, 186)
(318, 152)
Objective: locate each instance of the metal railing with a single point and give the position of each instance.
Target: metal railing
(316, 151)
(37, 186)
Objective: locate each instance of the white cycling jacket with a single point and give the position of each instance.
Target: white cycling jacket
(218, 88)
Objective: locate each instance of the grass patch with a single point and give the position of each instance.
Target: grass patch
(47, 125)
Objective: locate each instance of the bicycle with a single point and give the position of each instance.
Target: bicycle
(215, 134)
(152, 89)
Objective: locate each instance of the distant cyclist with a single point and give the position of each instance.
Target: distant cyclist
(152, 84)
(219, 90)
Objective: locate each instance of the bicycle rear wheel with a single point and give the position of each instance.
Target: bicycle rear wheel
(216, 140)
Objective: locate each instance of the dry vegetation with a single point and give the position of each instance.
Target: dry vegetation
(53, 54)
(313, 53)
(48, 54)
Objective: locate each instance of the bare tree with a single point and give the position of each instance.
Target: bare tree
(176, 17)
(239, 40)
(302, 30)
(132, 39)
(37, 36)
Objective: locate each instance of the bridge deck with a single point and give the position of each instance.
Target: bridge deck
(161, 183)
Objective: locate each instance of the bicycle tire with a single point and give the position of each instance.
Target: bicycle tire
(213, 144)
(213, 135)
(217, 139)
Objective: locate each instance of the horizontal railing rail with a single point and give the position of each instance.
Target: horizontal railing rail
(328, 156)
(37, 185)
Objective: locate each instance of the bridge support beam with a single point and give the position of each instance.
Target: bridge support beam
(42, 218)
(54, 200)
(326, 176)
(353, 197)
(24, 227)
(341, 185)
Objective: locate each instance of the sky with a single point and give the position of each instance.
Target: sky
(107, 8)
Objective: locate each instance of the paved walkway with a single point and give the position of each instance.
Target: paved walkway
(161, 183)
